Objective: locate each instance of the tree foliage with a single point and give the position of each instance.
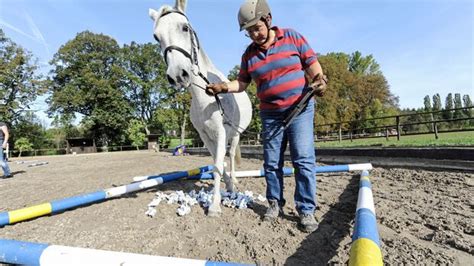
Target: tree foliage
(28, 126)
(447, 113)
(86, 79)
(363, 65)
(143, 80)
(19, 84)
(23, 144)
(427, 103)
(136, 132)
(357, 90)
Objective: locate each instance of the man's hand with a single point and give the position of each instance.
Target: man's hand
(319, 84)
(216, 88)
(4, 145)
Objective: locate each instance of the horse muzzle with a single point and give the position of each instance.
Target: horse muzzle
(178, 77)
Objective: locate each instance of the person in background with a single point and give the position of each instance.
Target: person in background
(284, 68)
(4, 135)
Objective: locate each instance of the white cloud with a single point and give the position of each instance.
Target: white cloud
(17, 30)
(36, 32)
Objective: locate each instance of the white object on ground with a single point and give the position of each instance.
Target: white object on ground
(37, 164)
(237, 200)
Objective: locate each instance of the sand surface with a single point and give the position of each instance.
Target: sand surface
(423, 216)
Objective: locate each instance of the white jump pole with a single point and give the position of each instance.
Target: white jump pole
(28, 253)
(286, 171)
(61, 205)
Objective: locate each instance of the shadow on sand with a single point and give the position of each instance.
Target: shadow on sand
(319, 247)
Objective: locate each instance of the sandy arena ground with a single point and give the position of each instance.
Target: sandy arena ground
(424, 217)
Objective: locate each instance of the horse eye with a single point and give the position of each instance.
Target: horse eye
(186, 28)
(156, 38)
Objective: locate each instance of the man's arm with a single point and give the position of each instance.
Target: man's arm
(313, 70)
(232, 86)
(237, 86)
(316, 79)
(6, 136)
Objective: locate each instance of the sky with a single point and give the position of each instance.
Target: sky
(422, 46)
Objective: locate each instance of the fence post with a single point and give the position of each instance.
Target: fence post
(398, 127)
(386, 133)
(340, 132)
(435, 130)
(350, 134)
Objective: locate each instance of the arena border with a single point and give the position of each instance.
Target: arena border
(365, 248)
(381, 157)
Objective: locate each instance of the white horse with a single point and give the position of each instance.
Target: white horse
(189, 67)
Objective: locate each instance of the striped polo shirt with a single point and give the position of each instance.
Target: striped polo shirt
(278, 71)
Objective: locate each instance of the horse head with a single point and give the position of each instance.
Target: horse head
(178, 43)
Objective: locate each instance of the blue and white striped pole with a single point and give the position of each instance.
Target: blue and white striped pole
(58, 206)
(365, 249)
(288, 171)
(19, 252)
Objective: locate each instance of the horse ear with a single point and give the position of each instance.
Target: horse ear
(181, 5)
(153, 14)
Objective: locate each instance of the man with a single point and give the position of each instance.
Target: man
(4, 141)
(278, 60)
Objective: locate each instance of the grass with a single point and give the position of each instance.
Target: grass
(445, 139)
(465, 139)
(176, 142)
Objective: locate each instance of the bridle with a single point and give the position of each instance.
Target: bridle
(193, 54)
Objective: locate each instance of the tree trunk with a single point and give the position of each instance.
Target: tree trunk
(147, 130)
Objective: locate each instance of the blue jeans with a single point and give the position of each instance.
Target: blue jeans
(300, 136)
(3, 163)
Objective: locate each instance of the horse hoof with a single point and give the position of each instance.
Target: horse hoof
(213, 212)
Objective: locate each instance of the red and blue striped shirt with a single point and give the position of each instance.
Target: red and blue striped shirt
(278, 71)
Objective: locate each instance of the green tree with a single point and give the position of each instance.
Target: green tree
(29, 126)
(363, 65)
(447, 113)
(457, 105)
(19, 83)
(86, 79)
(136, 133)
(143, 80)
(427, 103)
(468, 103)
(436, 105)
(428, 108)
(336, 105)
(23, 144)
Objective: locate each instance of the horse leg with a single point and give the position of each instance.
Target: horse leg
(233, 150)
(215, 208)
